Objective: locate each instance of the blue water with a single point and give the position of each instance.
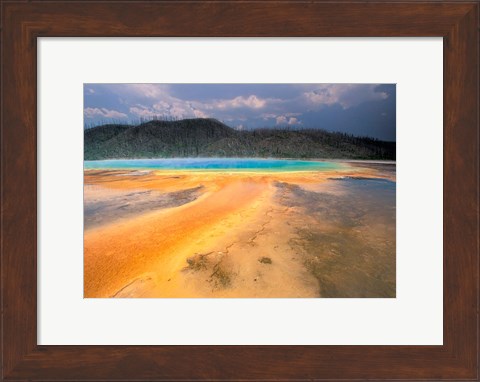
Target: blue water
(380, 193)
(215, 164)
(368, 184)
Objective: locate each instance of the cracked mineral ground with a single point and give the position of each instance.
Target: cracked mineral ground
(240, 234)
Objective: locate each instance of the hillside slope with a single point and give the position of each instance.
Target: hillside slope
(211, 138)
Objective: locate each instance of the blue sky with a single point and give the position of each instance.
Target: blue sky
(359, 109)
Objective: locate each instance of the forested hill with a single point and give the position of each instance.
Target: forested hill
(210, 138)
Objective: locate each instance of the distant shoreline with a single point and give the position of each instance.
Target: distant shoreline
(386, 161)
(372, 161)
(198, 138)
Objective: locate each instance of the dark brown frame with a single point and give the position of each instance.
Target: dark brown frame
(23, 21)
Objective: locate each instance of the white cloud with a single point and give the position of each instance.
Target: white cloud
(251, 101)
(143, 111)
(161, 106)
(171, 106)
(266, 116)
(284, 120)
(347, 95)
(199, 114)
(177, 108)
(178, 111)
(91, 112)
(151, 100)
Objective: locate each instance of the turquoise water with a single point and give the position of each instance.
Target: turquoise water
(215, 164)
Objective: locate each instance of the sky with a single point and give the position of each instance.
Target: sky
(358, 109)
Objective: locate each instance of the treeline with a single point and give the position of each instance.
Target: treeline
(203, 137)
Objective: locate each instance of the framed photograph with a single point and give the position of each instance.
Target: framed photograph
(238, 190)
(224, 195)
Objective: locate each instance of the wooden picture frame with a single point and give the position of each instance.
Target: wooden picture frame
(24, 21)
